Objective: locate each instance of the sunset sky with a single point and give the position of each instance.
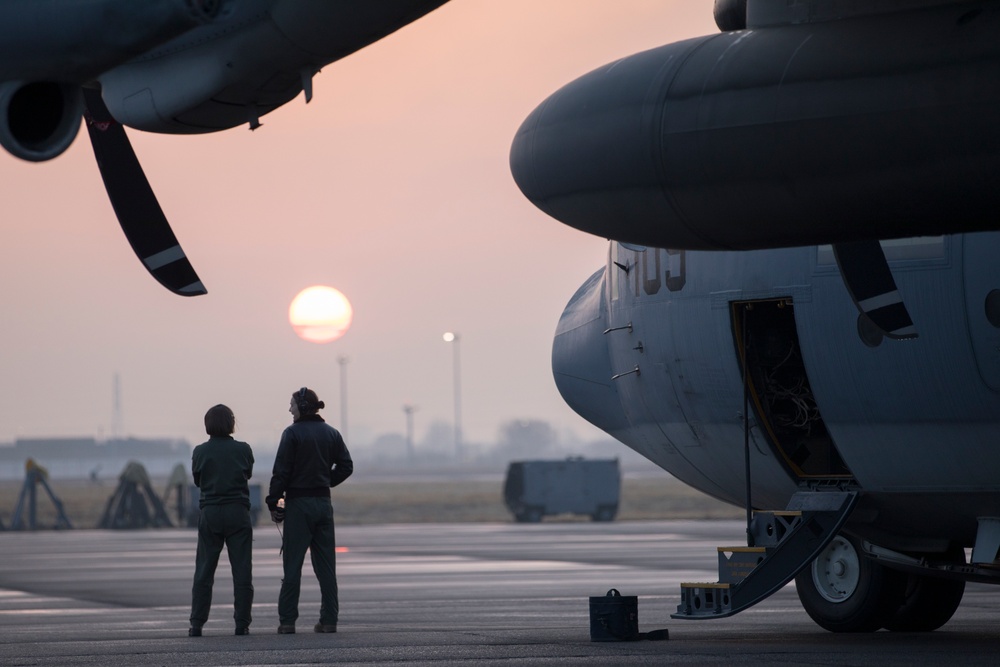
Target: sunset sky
(392, 186)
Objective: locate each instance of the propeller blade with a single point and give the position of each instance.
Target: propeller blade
(871, 285)
(139, 214)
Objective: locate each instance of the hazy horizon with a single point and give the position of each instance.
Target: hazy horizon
(392, 186)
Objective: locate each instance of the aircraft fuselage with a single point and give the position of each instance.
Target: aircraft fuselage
(914, 425)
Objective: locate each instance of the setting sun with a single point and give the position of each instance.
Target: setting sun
(320, 314)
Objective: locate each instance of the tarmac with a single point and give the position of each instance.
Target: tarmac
(431, 594)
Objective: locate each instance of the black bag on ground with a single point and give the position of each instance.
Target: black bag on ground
(614, 617)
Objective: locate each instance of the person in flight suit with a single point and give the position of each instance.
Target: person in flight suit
(311, 459)
(221, 468)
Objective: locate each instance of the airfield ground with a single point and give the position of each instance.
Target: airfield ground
(397, 499)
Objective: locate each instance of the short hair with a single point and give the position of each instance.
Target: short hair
(220, 420)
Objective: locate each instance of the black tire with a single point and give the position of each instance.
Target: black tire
(844, 591)
(605, 513)
(928, 602)
(530, 515)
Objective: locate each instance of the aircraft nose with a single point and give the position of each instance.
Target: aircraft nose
(581, 364)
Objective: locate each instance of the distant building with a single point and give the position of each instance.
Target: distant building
(82, 458)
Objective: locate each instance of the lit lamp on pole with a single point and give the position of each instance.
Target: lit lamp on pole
(452, 338)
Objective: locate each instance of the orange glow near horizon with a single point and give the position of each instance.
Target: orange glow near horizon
(320, 314)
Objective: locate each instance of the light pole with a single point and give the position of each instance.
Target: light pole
(342, 362)
(409, 410)
(451, 337)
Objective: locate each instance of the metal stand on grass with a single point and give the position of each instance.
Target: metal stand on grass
(27, 502)
(134, 504)
(178, 485)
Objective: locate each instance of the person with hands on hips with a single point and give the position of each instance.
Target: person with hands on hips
(311, 459)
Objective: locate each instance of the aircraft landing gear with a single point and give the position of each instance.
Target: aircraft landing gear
(928, 602)
(843, 591)
(604, 513)
(529, 515)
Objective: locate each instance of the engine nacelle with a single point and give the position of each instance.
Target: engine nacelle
(39, 120)
(790, 135)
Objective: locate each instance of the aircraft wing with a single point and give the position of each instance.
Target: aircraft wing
(171, 66)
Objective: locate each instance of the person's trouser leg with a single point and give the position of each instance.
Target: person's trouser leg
(206, 559)
(239, 544)
(323, 555)
(295, 542)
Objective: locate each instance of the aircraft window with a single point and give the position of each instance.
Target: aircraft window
(993, 308)
(896, 250)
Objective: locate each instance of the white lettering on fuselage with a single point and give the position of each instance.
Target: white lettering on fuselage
(658, 267)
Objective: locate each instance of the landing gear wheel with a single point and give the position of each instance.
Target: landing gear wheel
(530, 515)
(928, 602)
(843, 591)
(605, 513)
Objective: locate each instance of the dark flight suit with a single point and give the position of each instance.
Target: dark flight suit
(311, 458)
(221, 468)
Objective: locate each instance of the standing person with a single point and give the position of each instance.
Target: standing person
(312, 458)
(221, 468)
